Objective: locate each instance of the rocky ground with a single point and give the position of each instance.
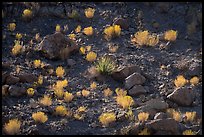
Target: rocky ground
(139, 72)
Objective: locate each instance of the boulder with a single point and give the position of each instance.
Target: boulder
(27, 77)
(57, 46)
(183, 96)
(16, 91)
(11, 79)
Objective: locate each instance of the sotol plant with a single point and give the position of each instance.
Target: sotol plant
(105, 65)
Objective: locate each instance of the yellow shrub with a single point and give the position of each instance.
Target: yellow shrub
(180, 81)
(89, 12)
(12, 127)
(144, 132)
(27, 13)
(88, 31)
(17, 48)
(60, 71)
(140, 38)
(117, 30)
(176, 116)
(61, 111)
(40, 117)
(85, 93)
(142, 116)
(30, 91)
(170, 35)
(107, 118)
(189, 132)
(190, 116)
(82, 50)
(120, 92)
(11, 26)
(60, 84)
(112, 31)
(91, 56)
(81, 109)
(68, 96)
(194, 80)
(37, 63)
(78, 29)
(153, 40)
(46, 101)
(59, 93)
(40, 80)
(124, 101)
(107, 92)
(18, 36)
(57, 28)
(93, 85)
(72, 36)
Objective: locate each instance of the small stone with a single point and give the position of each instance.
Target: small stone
(27, 77)
(16, 91)
(11, 80)
(160, 115)
(71, 62)
(5, 90)
(134, 79)
(137, 90)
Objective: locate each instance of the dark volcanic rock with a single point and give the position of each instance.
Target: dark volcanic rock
(27, 77)
(16, 91)
(134, 79)
(122, 22)
(137, 90)
(57, 46)
(10, 80)
(183, 96)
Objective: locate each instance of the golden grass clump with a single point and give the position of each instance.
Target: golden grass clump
(17, 48)
(61, 111)
(81, 109)
(78, 29)
(112, 32)
(89, 12)
(93, 85)
(85, 93)
(140, 38)
(37, 63)
(105, 65)
(125, 101)
(180, 81)
(30, 92)
(91, 56)
(72, 36)
(189, 132)
(57, 28)
(39, 117)
(27, 13)
(40, 80)
(82, 50)
(59, 88)
(153, 40)
(143, 116)
(12, 127)
(59, 93)
(60, 71)
(107, 92)
(68, 97)
(18, 36)
(170, 35)
(45, 101)
(176, 116)
(194, 80)
(88, 31)
(190, 116)
(74, 14)
(107, 118)
(11, 26)
(120, 92)
(144, 132)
